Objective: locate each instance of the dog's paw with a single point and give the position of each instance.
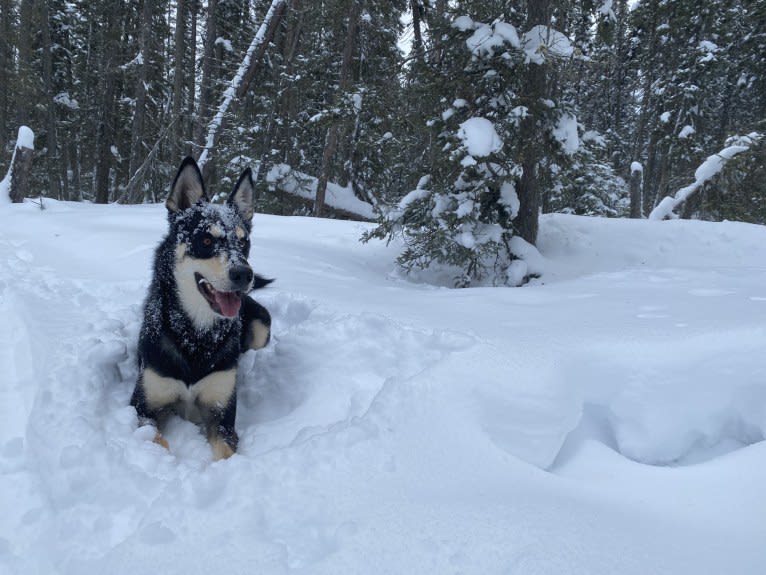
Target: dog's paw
(221, 449)
(159, 440)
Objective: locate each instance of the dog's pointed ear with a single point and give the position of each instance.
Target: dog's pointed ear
(188, 187)
(243, 194)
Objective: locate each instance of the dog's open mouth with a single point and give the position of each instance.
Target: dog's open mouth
(225, 303)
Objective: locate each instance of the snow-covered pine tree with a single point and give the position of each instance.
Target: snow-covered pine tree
(491, 114)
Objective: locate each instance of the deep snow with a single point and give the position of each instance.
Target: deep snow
(607, 418)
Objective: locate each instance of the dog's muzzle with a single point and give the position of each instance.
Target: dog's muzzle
(227, 303)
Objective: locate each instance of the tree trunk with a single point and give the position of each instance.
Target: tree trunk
(331, 141)
(250, 62)
(137, 132)
(636, 175)
(535, 90)
(6, 55)
(25, 90)
(106, 109)
(189, 125)
(52, 153)
(417, 43)
(178, 77)
(206, 82)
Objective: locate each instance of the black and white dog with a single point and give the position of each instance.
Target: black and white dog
(197, 316)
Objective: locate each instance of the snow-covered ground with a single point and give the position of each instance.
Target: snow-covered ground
(606, 419)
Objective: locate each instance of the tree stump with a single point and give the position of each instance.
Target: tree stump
(21, 165)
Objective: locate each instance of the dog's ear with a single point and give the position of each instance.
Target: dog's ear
(242, 195)
(188, 187)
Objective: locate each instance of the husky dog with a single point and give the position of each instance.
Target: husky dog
(197, 316)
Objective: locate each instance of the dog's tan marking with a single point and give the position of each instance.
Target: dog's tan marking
(160, 440)
(240, 232)
(216, 389)
(221, 449)
(259, 334)
(211, 392)
(161, 391)
(216, 231)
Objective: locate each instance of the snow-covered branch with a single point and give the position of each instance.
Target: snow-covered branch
(231, 90)
(707, 170)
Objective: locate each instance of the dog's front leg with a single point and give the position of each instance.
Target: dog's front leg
(217, 403)
(220, 430)
(153, 399)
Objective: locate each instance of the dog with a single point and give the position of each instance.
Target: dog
(198, 318)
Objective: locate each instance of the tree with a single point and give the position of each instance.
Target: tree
(496, 136)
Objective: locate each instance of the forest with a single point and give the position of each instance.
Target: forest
(458, 121)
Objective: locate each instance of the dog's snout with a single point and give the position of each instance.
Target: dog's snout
(241, 276)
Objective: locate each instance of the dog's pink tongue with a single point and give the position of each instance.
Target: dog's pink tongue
(229, 303)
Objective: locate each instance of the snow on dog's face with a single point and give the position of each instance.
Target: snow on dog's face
(212, 245)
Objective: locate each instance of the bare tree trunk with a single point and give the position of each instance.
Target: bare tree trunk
(417, 12)
(535, 90)
(52, 154)
(331, 141)
(108, 75)
(206, 88)
(137, 133)
(189, 125)
(25, 95)
(250, 62)
(636, 175)
(5, 67)
(178, 74)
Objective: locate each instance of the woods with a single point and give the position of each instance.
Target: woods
(599, 108)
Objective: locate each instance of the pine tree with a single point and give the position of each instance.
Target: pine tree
(495, 137)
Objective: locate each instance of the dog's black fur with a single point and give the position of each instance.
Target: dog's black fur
(197, 316)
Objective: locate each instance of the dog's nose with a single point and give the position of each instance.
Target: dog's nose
(241, 276)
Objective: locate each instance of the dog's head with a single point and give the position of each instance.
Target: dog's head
(212, 244)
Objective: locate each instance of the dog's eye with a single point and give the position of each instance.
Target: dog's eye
(207, 241)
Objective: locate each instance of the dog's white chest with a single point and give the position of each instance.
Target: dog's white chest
(213, 391)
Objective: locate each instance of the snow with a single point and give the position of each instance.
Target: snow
(565, 132)
(686, 131)
(606, 418)
(299, 184)
(487, 38)
(542, 42)
(25, 138)
(479, 137)
(606, 10)
(636, 167)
